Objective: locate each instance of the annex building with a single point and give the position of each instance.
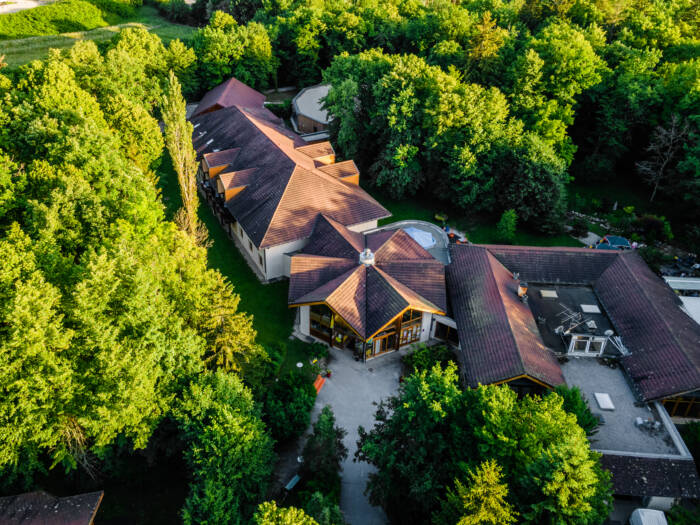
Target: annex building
(530, 317)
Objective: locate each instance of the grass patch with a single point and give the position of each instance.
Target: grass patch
(23, 50)
(479, 229)
(272, 319)
(60, 17)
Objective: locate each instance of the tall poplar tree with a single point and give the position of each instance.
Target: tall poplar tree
(178, 140)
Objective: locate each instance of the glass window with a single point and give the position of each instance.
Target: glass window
(580, 345)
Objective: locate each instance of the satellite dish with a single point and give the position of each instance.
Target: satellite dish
(608, 333)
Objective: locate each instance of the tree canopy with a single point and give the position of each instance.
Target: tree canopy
(528, 452)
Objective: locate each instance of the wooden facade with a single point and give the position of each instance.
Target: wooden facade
(330, 327)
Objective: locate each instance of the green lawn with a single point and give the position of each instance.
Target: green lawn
(24, 50)
(478, 229)
(272, 319)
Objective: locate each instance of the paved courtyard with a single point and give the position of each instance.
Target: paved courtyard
(351, 391)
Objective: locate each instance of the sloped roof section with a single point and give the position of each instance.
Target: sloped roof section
(367, 297)
(41, 508)
(346, 168)
(288, 191)
(497, 333)
(232, 92)
(663, 340)
(555, 265)
(663, 477)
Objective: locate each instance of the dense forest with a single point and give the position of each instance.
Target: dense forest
(489, 104)
(118, 341)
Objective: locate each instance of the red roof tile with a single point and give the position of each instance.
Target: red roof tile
(498, 336)
(366, 297)
(230, 93)
(282, 203)
(663, 340)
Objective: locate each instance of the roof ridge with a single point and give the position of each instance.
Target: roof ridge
(398, 286)
(346, 275)
(622, 258)
(492, 259)
(279, 201)
(343, 231)
(255, 120)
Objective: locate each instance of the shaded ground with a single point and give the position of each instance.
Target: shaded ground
(24, 50)
(352, 391)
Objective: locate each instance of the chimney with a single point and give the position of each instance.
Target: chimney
(522, 291)
(367, 257)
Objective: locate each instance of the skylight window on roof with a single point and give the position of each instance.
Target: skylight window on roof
(549, 294)
(196, 125)
(209, 142)
(590, 309)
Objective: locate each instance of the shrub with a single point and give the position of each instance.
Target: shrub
(288, 405)
(654, 257)
(324, 510)
(426, 357)
(269, 513)
(579, 227)
(653, 228)
(61, 17)
(506, 226)
(575, 404)
(323, 453)
(282, 109)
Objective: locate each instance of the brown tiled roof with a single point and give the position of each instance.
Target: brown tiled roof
(230, 93)
(346, 168)
(498, 336)
(663, 340)
(366, 297)
(41, 508)
(288, 191)
(663, 477)
(236, 179)
(220, 158)
(318, 150)
(554, 265)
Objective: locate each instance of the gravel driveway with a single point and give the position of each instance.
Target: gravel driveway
(351, 391)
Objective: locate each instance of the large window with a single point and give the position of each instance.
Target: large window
(411, 324)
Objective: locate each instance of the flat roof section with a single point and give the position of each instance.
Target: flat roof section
(308, 103)
(619, 431)
(569, 306)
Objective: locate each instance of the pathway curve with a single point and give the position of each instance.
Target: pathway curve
(352, 391)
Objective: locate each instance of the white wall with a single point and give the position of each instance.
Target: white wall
(304, 320)
(253, 253)
(426, 327)
(277, 261)
(363, 226)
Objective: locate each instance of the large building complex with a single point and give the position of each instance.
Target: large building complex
(530, 317)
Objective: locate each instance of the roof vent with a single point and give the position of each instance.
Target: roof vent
(367, 257)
